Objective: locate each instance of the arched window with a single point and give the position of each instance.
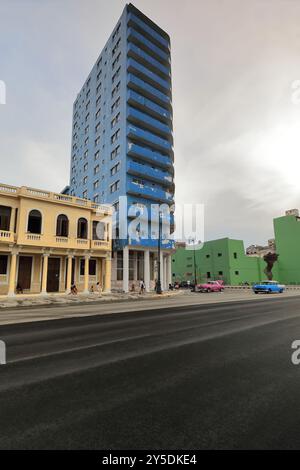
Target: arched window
(82, 228)
(62, 226)
(34, 222)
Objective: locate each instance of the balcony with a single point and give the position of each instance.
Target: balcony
(141, 56)
(152, 243)
(100, 245)
(149, 155)
(149, 192)
(139, 135)
(6, 236)
(134, 21)
(150, 173)
(148, 46)
(149, 106)
(153, 125)
(148, 91)
(148, 76)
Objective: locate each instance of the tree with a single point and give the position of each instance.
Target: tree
(270, 259)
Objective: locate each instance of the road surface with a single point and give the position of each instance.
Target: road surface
(215, 376)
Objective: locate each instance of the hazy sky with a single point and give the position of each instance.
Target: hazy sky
(237, 128)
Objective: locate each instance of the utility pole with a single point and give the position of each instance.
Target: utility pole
(158, 284)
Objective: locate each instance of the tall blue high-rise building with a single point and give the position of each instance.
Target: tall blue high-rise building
(122, 138)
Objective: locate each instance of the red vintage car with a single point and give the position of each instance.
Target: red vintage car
(210, 286)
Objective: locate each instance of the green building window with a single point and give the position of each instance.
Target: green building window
(208, 275)
(219, 254)
(236, 273)
(235, 255)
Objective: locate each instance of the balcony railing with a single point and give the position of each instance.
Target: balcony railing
(145, 104)
(133, 20)
(137, 134)
(148, 155)
(150, 192)
(148, 172)
(100, 245)
(153, 125)
(148, 76)
(6, 236)
(141, 56)
(148, 46)
(148, 91)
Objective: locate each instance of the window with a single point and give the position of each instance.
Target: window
(84, 194)
(97, 141)
(98, 230)
(116, 75)
(96, 184)
(208, 275)
(92, 267)
(99, 75)
(87, 105)
(3, 264)
(5, 214)
(99, 62)
(86, 130)
(97, 128)
(115, 186)
(87, 117)
(34, 222)
(85, 167)
(114, 51)
(97, 154)
(98, 89)
(116, 61)
(82, 226)
(219, 255)
(116, 206)
(220, 273)
(116, 90)
(116, 32)
(138, 182)
(119, 266)
(96, 198)
(115, 169)
(115, 136)
(207, 256)
(115, 120)
(62, 226)
(96, 169)
(115, 105)
(85, 180)
(97, 114)
(86, 153)
(115, 152)
(235, 255)
(236, 273)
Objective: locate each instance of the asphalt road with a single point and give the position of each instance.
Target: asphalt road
(207, 377)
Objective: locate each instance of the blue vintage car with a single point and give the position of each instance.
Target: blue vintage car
(269, 287)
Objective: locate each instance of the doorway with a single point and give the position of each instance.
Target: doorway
(53, 275)
(24, 272)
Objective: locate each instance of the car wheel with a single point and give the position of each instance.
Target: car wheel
(256, 292)
(270, 291)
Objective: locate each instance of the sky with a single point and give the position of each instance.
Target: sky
(236, 99)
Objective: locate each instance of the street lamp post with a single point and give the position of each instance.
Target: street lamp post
(158, 284)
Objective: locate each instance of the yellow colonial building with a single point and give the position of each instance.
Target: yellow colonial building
(50, 241)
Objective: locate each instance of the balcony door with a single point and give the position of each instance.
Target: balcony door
(53, 275)
(24, 272)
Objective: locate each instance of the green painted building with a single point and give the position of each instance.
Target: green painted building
(287, 236)
(218, 259)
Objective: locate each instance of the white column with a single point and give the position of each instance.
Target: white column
(86, 274)
(147, 270)
(44, 274)
(162, 271)
(126, 269)
(166, 286)
(169, 270)
(135, 266)
(12, 274)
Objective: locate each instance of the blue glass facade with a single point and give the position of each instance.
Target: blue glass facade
(122, 138)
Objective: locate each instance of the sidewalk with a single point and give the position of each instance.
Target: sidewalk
(31, 300)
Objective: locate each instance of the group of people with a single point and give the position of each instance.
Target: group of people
(142, 287)
(97, 289)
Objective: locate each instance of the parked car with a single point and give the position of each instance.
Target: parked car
(210, 286)
(268, 287)
(186, 285)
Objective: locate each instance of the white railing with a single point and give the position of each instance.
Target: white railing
(33, 237)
